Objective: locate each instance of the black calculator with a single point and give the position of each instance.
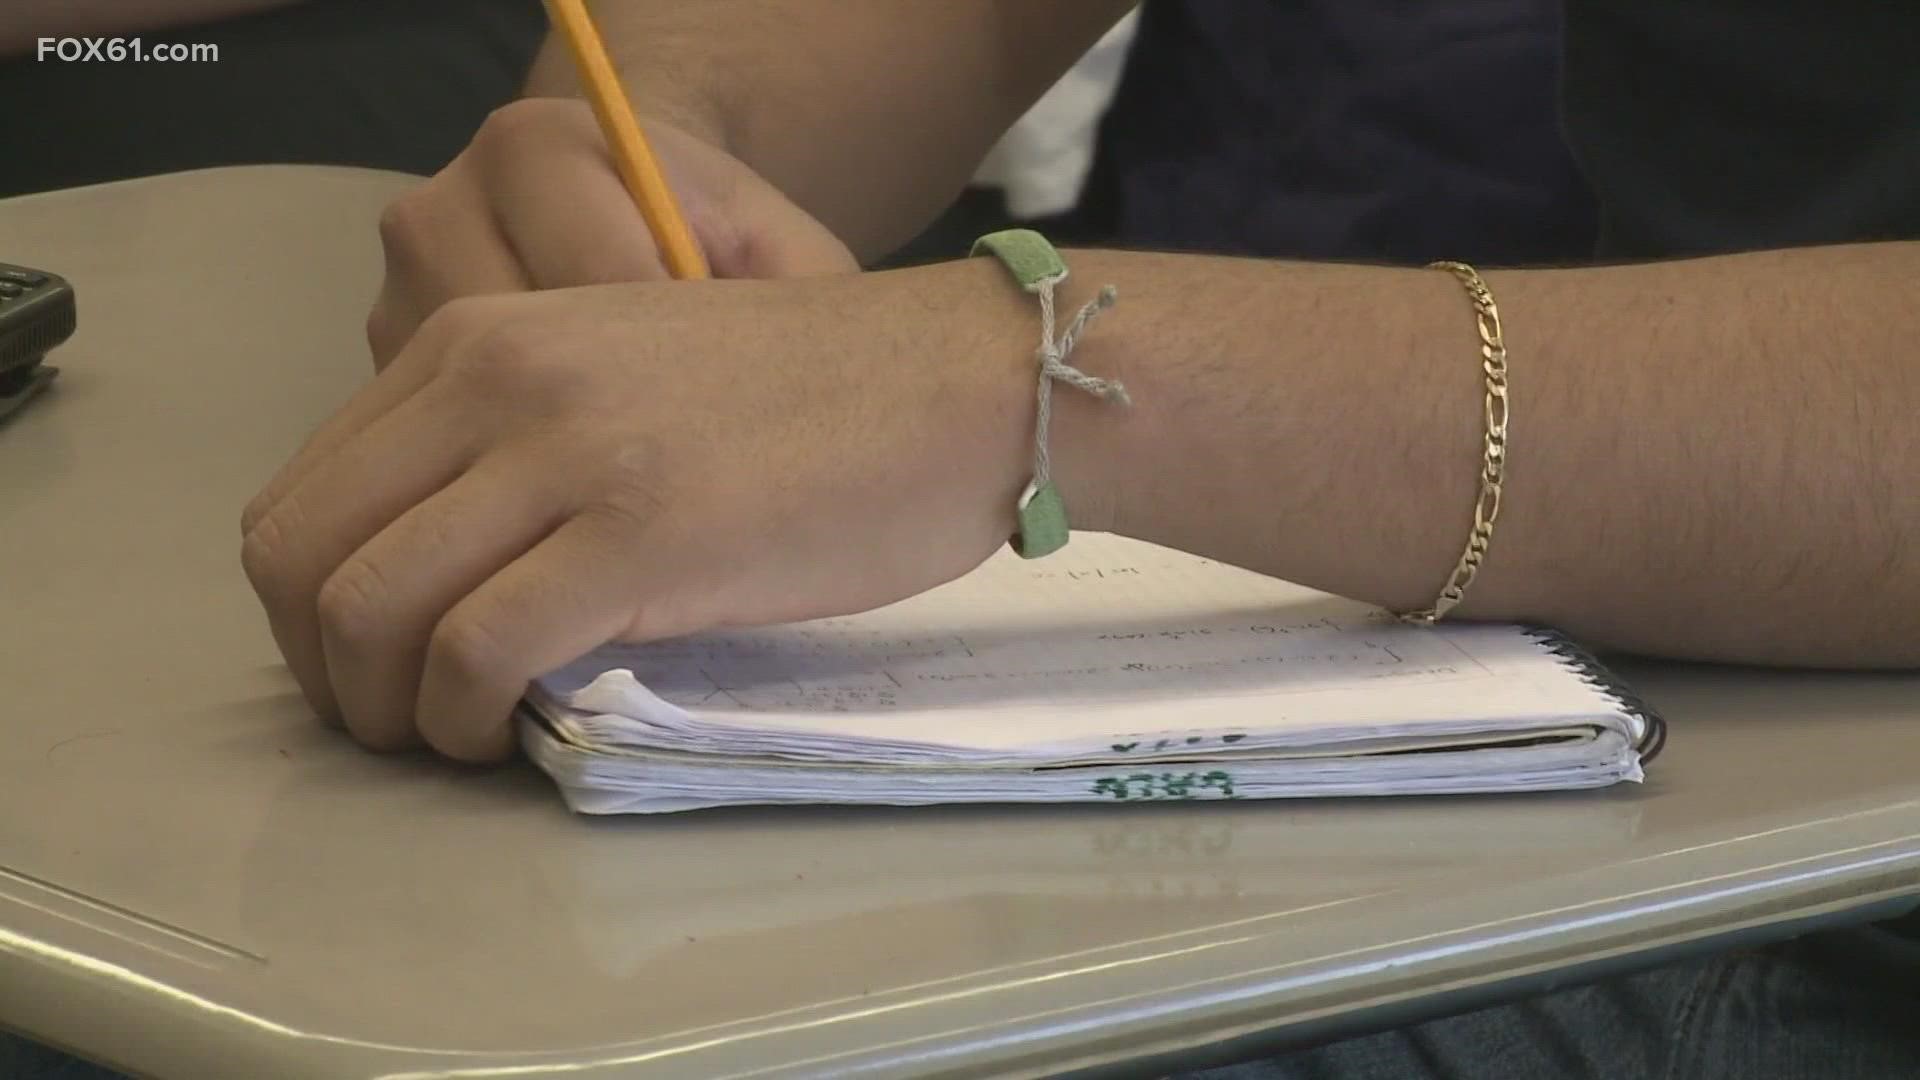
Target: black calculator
(37, 313)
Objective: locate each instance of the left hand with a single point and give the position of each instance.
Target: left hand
(539, 474)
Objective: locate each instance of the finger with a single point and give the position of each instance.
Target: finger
(442, 242)
(369, 404)
(573, 592)
(594, 235)
(379, 609)
(388, 391)
(344, 501)
(395, 318)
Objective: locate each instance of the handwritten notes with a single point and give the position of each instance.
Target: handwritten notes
(843, 666)
(1113, 672)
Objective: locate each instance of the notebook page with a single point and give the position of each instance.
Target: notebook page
(1110, 638)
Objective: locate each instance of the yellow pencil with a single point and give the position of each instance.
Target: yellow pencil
(631, 154)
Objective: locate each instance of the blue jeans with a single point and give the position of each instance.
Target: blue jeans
(1832, 1006)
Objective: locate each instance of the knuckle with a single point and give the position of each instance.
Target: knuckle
(492, 368)
(506, 127)
(403, 221)
(353, 604)
(455, 323)
(382, 334)
(263, 558)
(464, 647)
(513, 345)
(256, 511)
(511, 360)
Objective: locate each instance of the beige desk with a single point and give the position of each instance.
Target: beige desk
(197, 882)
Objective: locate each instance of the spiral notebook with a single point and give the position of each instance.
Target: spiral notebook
(1112, 672)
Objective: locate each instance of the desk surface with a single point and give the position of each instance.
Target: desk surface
(198, 881)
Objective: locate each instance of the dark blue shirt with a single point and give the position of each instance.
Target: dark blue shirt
(1499, 131)
(1351, 129)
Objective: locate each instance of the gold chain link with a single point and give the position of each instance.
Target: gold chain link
(1493, 467)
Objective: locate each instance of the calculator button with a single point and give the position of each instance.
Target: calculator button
(9, 290)
(21, 278)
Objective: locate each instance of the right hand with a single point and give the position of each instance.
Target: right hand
(535, 203)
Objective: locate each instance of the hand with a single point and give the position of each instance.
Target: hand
(536, 475)
(535, 203)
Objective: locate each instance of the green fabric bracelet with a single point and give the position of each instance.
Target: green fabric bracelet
(1039, 269)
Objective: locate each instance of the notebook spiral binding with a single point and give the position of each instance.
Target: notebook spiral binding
(1596, 674)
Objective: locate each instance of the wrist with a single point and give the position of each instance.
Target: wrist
(656, 98)
(994, 346)
(1087, 432)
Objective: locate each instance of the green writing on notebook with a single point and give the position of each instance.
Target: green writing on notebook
(1148, 787)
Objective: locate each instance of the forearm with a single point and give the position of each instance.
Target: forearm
(870, 114)
(29, 20)
(1714, 458)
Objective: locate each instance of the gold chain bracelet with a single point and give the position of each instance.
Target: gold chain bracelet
(1493, 466)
